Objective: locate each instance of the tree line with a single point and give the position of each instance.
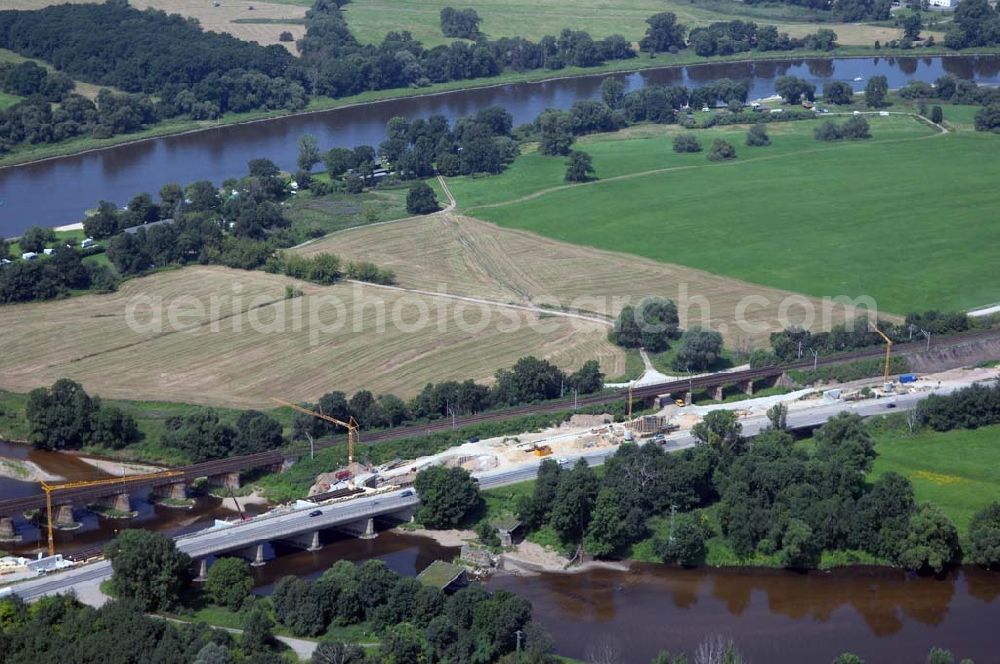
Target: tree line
(771, 498)
(529, 380)
(794, 343)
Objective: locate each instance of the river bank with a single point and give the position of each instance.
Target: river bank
(84, 145)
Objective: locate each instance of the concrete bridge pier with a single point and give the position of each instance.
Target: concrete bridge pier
(687, 398)
(717, 392)
(363, 529)
(747, 388)
(305, 541)
(119, 502)
(7, 532)
(63, 516)
(176, 491)
(202, 571)
(226, 480)
(254, 554)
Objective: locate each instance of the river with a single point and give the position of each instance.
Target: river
(58, 191)
(774, 616)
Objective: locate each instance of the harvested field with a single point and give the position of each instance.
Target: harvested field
(279, 17)
(240, 342)
(466, 256)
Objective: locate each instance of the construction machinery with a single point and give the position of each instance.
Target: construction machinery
(124, 480)
(351, 425)
(888, 351)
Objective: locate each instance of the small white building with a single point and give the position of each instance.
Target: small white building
(87, 243)
(29, 256)
(48, 251)
(946, 4)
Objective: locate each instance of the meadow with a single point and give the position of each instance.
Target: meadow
(370, 20)
(239, 341)
(959, 471)
(905, 217)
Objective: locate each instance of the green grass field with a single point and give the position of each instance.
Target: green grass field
(370, 20)
(959, 471)
(905, 217)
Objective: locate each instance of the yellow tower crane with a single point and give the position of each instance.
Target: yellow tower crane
(124, 480)
(351, 425)
(888, 351)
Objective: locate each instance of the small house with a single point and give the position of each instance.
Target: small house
(29, 256)
(48, 251)
(87, 243)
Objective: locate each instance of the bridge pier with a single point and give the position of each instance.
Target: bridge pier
(305, 541)
(747, 388)
(226, 480)
(254, 554)
(63, 517)
(687, 398)
(119, 502)
(7, 532)
(202, 571)
(175, 491)
(717, 392)
(364, 529)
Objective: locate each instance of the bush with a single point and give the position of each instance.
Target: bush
(987, 119)
(757, 136)
(828, 131)
(686, 143)
(937, 115)
(856, 128)
(721, 151)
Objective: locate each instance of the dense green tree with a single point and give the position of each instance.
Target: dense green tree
(337, 161)
(587, 379)
(828, 131)
(931, 542)
(987, 119)
(337, 653)
(848, 658)
(104, 222)
(535, 513)
(59, 417)
(606, 531)
(800, 549)
(613, 92)
(876, 90)
(36, 239)
(684, 544)
(838, 92)
(793, 89)
(940, 656)
(229, 582)
(937, 115)
(720, 429)
(686, 143)
(420, 199)
(580, 167)
(912, 25)
(447, 495)
(530, 379)
(555, 132)
(256, 432)
(984, 536)
(213, 653)
(258, 631)
(148, 568)
(757, 136)
(777, 415)
(699, 350)
(309, 154)
(112, 427)
(574, 502)
(856, 128)
(201, 435)
(663, 33)
(460, 23)
(882, 517)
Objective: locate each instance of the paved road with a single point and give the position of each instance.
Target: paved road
(297, 521)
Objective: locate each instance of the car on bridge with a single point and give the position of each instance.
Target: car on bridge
(316, 513)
